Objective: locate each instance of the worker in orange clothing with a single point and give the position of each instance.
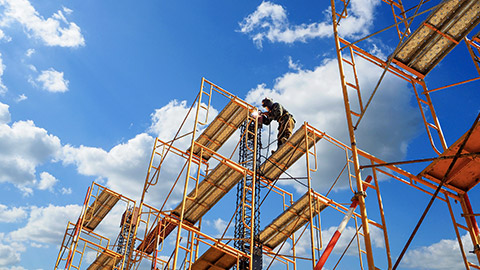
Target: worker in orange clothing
(277, 112)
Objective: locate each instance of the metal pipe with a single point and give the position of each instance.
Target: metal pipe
(333, 241)
(363, 210)
(419, 160)
(445, 177)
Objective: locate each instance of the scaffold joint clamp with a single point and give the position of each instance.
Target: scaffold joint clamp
(476, 249)
(358, 194)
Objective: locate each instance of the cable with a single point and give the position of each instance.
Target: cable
(460, 149)
(283, 171)
(348, 246)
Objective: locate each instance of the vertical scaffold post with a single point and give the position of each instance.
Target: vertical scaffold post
(187, 177)
(253, 249)
(310, 201)
(472, 224)
(361, 199)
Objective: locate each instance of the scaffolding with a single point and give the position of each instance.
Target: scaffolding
(417, 53)
(190, 178)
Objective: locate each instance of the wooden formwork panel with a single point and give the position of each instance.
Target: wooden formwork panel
(162, 229)
(106, 261)
(97, 211)
(226, 175)
(465, 173)
(287, 154)
(292, 219)
(215, 259)
(210, 190)
(221, 128)
(444, 28)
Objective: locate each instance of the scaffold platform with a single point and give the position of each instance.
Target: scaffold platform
(162, 229)
(292, 219)
(465, 173)
(97, 211)
(223, 178)
(221, 128)
(215, 259)
(287, 154)
(444, 28)
(106, 261)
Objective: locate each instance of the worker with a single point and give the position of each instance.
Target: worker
(277, 112)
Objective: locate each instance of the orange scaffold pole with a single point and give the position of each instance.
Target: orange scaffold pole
(341, 227)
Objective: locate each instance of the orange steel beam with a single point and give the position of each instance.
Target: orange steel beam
(472, 225)
(312, 241)
(447, 36)
(419, 75)
(470, 44)
(450, 85)
(379, 62)
(187, 178)
(434, 117)
(459, 238)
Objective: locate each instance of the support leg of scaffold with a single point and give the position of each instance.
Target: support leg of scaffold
(341, 227)
(363, 210)
(472, 225)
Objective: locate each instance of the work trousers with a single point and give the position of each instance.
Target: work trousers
(285, 129)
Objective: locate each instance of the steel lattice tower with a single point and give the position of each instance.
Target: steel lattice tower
(243, 220)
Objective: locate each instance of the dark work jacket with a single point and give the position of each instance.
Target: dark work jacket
(277, 113)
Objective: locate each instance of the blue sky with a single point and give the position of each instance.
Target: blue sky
(86, 86)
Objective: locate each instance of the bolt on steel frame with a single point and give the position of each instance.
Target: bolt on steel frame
(409, 62)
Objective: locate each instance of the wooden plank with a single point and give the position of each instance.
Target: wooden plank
(287, 154)
(215, 259)
(221, 128)
(97, 211)
(149, 243)
(215, 185)
(292, 219)
(444, 28)
(106, 261)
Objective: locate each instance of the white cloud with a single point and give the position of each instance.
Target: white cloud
(11, 215)
(21, 97)
(315, 96)
(47, 181)
(54, 31)
(46, 224)
(3, 88)
(34, 69)
(165, 121)
(66, 191)
(9, 252)
(67, 10)
(124, 166)
(442, 255)
(30, 52)
(36, 245)
(270, 22)
(24, 147)
(220, 225)
(4, 37)
(293, 65)
(53, 81)
(4, 114)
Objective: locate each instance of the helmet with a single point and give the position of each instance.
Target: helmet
(267, 102)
